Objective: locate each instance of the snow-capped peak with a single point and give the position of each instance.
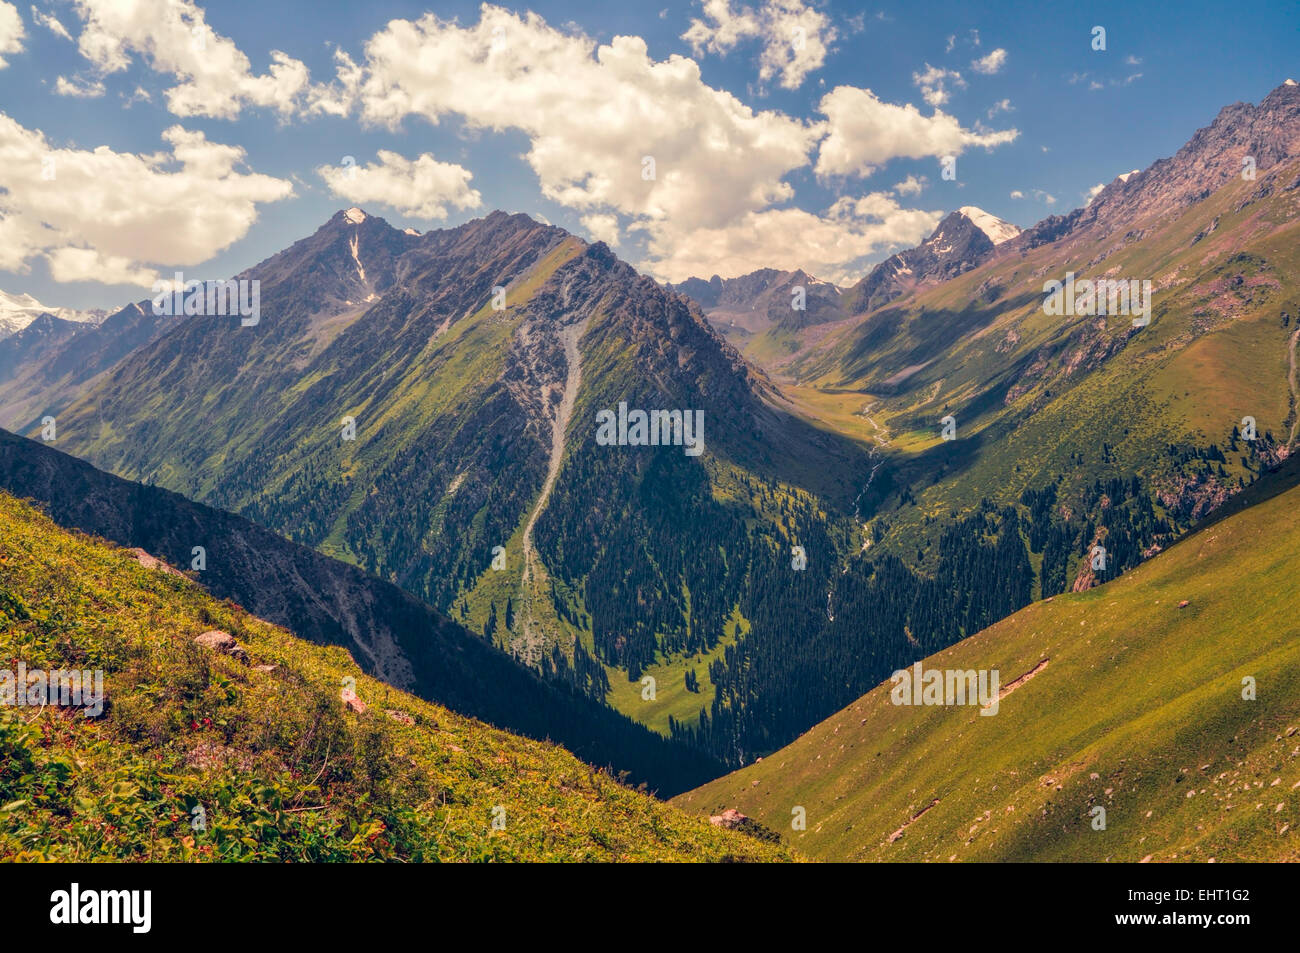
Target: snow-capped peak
(995, 228)
(410, 231)
(1289, 82)
(355, 215)
(19, 310)
(1125, 176)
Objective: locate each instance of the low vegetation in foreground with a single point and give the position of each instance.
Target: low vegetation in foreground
(272, 749)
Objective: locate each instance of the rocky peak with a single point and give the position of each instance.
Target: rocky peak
(956, 246)
(1214, 156)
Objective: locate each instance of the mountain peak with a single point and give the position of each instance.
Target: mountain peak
(997, 230)
(354, 215)
(1268, 134)
(19, 310)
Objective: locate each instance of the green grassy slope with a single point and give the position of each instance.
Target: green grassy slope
(1139, 710)
(281, 768)
(1036, 396)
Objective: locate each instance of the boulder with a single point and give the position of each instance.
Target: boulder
(350, 700)
(222, 642)
(730, 819)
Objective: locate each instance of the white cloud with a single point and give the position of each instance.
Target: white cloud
(79, 88)
(865, 133)
(933, 84)
(1017, 194)
(592, 115)
(1093, 192)
(173, 36)
(50, 22)
(1044, 197)
(423, 188)
(602, 227)
(910, 186)
(87, 264)
(11, 31)
(100, 215)
(833, 245)
(796, 36)
(337, 98)
(990, 64)
(598, 117)
(1001, 106)
(726, 30)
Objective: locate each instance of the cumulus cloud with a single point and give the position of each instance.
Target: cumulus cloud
(990, 64)
(602, 227)
(50, 22)
(1017, 194)
(910, 186)
(608, 127)
(933, 84)
(173, 36)
(833, 245)
(634, 145)
(796, 36)
(79, 88)
(644, 147)
(865, 133)
(339, 97)
(11, 31)
(100, 215)
(1093, 192)
(421, 188)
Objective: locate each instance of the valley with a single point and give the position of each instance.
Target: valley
(476, 361)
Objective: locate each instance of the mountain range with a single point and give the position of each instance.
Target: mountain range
(425, 407)
(17, 311)
(763, 313)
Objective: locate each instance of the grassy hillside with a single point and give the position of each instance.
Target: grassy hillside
(282, 769)
(1137, 708)
(1042, 399)
(391, 635)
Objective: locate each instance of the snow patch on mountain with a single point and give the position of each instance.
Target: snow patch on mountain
(19, 310)
(355, 215)
(995, 228)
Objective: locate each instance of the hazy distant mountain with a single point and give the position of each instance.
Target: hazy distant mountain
(46, 365)
(753, 303)
(19, 310)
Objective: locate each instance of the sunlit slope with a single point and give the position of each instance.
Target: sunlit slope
(1036, 396)
(281, 768)
(1138, 709)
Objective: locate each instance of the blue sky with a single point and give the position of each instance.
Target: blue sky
(753, 168)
